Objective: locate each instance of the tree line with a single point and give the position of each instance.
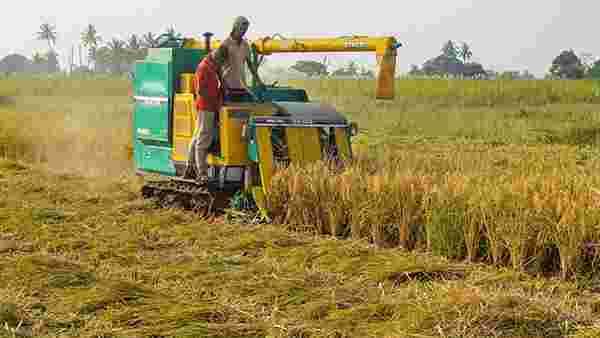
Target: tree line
(112, 55)
(323, 68)
(454, 61)
(117, 56)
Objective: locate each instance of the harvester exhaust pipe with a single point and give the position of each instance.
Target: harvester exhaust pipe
(207, 37)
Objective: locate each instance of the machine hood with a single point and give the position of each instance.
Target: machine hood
(303, 114)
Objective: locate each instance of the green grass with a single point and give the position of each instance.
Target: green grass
(462, 92)
(466, 111)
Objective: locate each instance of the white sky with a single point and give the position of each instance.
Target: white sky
(504, 35)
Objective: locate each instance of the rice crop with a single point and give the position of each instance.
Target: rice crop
(534, 209)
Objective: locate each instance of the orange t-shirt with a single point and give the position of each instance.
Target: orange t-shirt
(207, 77)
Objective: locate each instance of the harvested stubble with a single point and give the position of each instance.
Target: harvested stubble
(105, 263)
(148, 272)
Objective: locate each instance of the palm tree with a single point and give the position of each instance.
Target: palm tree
(103, 59)
(465, 52)
(117, 53)
(90, 40)
(149, 40)
(449, 50)
(39, 61)
(38, 58)
(47, 32)
(134, 42)
(171, 32)
(134, 49)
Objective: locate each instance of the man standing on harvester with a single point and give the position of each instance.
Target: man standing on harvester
(219, 77)
(209, 99)
(234, 72)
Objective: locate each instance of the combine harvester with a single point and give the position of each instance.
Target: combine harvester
(254, 138)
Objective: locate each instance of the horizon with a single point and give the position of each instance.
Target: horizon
(508, 36)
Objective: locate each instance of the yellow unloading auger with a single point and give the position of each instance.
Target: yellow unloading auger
(385, 49)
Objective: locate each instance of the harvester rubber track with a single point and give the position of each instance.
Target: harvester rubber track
(187, 194)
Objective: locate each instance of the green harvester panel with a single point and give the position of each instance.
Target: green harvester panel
(152, 91)
(155, 84)
(157, 159)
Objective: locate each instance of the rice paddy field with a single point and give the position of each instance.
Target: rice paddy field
(471, 209)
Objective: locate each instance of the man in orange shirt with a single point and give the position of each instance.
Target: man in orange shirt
(209, 99)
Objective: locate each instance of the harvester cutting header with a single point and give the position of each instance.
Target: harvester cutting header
(272, 127)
